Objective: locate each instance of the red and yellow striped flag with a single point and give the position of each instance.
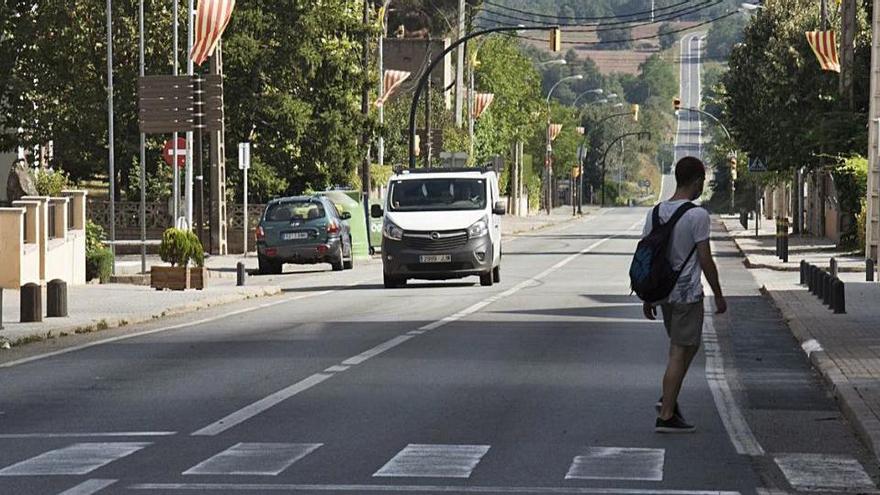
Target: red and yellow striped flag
(482, 102)
(212, 18)
(824, 45)
(555, 129)
(391, 82)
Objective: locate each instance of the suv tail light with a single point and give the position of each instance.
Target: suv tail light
(332, 228)
(260, 234)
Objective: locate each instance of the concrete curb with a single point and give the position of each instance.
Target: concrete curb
(547, 225)
(851, 403)
(101, 324)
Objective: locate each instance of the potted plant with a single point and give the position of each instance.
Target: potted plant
(179, 247)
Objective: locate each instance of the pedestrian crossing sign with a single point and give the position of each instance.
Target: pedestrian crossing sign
(757, 165)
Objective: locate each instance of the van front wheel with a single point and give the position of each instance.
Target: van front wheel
(486, 279)
(496, 274)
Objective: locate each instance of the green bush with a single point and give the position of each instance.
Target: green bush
(851, 181)
(50, 182)
(95, 236)
(861, 225)
(99, 264)
(180, 247)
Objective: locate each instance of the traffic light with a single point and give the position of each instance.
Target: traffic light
(732, 160)
(676, 103)
(555, 40)
(635, 112)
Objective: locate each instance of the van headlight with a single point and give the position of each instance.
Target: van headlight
(392, 231)
(478, 229)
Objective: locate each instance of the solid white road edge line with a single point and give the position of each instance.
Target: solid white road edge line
(240, 416)
(735, 423)
(210, 319)
(421, 489)
(90, 434)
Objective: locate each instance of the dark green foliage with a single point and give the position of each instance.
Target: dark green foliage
(851, 182)
(723, 35)
(180, 247)
(99, 258)
(667, 37)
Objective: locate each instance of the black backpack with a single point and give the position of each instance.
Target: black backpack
(651, 275)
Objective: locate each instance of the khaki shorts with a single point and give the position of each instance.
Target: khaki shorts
(684, 323)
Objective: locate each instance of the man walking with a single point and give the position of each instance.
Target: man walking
(689, 254)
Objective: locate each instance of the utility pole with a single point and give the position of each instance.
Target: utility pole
(365, 109)
(110, 149)
(219, 240)
(872, 238)
(459, 66)
(847, 50)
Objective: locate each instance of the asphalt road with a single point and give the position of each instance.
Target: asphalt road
(542, 384)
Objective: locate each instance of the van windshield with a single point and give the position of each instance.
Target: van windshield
(437, 194)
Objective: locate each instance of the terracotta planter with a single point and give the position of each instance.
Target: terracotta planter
(177, 277)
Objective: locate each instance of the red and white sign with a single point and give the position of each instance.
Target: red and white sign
(168, 152)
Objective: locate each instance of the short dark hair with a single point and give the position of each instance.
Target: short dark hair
(689, 170)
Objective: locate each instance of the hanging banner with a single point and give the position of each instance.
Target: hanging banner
(392, 81)
(824, 45)
(555, 129)
(482, 102)
(212, 17)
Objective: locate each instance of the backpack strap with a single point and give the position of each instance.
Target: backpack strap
(655, 217)
(680, 213)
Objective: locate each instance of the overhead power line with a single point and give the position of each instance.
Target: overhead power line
(642, 38)
(579, 18)
(667, 16)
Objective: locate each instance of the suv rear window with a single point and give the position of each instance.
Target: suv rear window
(294, 210)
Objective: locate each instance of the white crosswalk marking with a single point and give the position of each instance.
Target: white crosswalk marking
(818, 472)
(266, 459)
(613, 463)
(434, 461)
(76, 459)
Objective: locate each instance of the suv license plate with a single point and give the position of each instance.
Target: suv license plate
(295, 235)
(436, 258)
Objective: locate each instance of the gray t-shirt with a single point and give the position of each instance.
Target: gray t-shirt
(692, 228)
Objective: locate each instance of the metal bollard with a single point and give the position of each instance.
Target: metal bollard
(240, 274)
(31, 303)
(803, 272)
(744, 219)
(820, 285)
(869, 270)
(56, 299)
(833, 267)
(778, 238)
(826, 289)
(811, 278)
(785, 240)
(839, 297)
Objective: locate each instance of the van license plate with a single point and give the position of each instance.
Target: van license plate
(436, 258)
(289, 236)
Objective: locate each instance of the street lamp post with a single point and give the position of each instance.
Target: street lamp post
(587, 136)
(548, 159)
(605, 154)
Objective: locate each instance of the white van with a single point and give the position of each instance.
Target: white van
(441, 223)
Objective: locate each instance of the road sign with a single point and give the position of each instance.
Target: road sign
(757, 165)
(168, 152)
(244, 156)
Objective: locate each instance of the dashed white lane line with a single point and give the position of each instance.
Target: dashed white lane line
(254, 459)
(823, 472)
(76, 459)
(88, 487)
(614, 463)
(240, 416)
(434, 461)
(534, 490)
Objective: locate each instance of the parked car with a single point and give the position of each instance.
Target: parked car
(303, 230)
(441, 224)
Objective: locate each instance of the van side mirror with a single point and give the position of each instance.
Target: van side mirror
(499, 208)
(346, 215)
(376, 211)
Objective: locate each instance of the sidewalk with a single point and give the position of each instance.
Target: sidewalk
(760, 252)
(843, 348)
(99, 307)
(511, 225)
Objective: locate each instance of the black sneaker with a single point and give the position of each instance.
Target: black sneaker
(676, 412)
(673, 425)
